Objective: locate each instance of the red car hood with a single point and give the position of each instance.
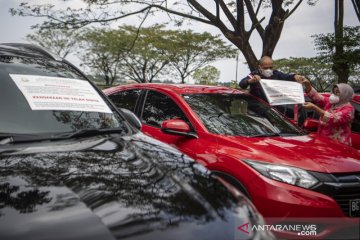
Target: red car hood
(306, 152)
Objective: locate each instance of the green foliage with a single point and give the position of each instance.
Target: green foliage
(125, 53)
(326, 45)
(317, 69)
(208, 75)
(146, 54)
(102, 53)
(232, 84)
(190, 51)
(266, 18)
(59, 41)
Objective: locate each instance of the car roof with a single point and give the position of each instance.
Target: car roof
(177, 88)
(356, 97)
(28, 49)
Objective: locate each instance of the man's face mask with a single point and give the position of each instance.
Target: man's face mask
(266, 72)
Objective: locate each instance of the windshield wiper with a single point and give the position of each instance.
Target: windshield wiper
(266, 135)
(87, 132)
(281, 134)
(6, 138)
(293, 134)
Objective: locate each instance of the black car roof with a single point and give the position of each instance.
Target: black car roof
(24, 48)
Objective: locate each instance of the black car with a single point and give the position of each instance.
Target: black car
(72, 166)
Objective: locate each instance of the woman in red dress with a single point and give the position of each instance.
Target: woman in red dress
(336, 112)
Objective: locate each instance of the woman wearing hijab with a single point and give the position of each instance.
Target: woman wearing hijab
(336, 112)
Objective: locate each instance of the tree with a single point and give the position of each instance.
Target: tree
(316, 69)
(145, 54)
(190, 51)
(102, 53)
(126, 53)
(229, 17)
(342, 51)
(340, 66)
(356, 4)
(232, 84)
(60, 41)
(208, 75)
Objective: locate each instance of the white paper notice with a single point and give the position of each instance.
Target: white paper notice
(54, 93)
(280, 92)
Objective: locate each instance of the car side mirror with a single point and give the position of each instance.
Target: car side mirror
(177, 127)
(311, 124)
(132, 118)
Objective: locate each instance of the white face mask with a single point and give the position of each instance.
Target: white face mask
(334, 99)
(267, 72)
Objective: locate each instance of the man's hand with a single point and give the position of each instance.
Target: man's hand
(306, 83)
(254, 79)
(299, 78)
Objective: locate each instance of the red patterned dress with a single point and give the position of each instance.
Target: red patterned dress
(337, 120)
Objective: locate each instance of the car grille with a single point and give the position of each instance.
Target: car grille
(341, 187)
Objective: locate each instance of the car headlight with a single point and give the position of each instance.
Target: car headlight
(290, 175)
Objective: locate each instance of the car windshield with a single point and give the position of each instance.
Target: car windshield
(39, 95)
(239, 115)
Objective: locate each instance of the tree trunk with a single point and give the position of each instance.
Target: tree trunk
(340, 66)
(274, 28)
(356, 4)
(107, 80)
(244, 47)
(270, 36)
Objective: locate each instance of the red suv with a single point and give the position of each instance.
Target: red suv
(308, 119)
(292, 177)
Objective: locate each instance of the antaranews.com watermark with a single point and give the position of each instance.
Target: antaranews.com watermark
(303, 228)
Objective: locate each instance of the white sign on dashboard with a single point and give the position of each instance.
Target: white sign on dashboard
(55, 93)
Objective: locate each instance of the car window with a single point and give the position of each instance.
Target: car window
(310, 113)
(160, 107)
(356, 123)
(287, 110)
(303, 113)
(17, 114)
(126, 99)
(238, 115)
